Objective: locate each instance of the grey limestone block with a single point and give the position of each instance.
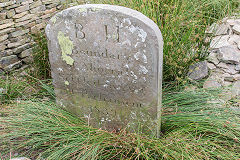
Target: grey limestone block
(198, 71)
(106, 64)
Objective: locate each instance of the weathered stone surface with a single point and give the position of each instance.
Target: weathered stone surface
(22, 24)
(106, 66)
(5, 4)
(26, 17)
(231, 22)
(11, 13)
(25, 53)
(3, 38)
(14, 45)
(222, 29)
(27, 2)
(46, 16)
(212, 29)
(219, 41)
(53, 5)
(236, 89)
(49, 11)
(6, 53)
(229, 54)
(3, 15)
(224, 55)
(13, 66)
(12, 6)
(22, 8)
(19, 33)
(229, 79)
(198, 70)
(6, 21)
(37, 9)
(236, 29)
(5, 31)
(212, 57)
(2, 47)
(28, 60)
(48, 1)
(211, 65)
(237, 68)
(234, 39)
(5, 61)
(36, 4)
(22, 48)
(20, 15)
(6, 25)
(211, 83)
(228, 68)
(37, 28)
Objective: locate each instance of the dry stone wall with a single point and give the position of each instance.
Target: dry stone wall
(19, 19)
(224, 57)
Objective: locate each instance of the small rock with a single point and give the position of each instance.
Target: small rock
(25, 53)
(237, 68)
(211, 83)
(13, 66)
(219, 41)
(231, 22)
(212, 29)
(228, 68)
(229, 79)
(22, 8)
(236, 89)
(222, 30)
(211, 66)
(234, 39)
(236, 29)
(237, 77)
(229, 54)
(3, 38)
(212, 57)
(5, 61)
(28, 60)
(19, 33)
(198, 71)
(227, 83)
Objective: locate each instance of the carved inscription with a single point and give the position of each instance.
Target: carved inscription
(114, 35)
(114, 76)
(79, 33)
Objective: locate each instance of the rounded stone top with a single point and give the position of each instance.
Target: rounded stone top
(123, 10)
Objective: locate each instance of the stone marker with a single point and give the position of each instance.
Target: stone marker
(106, 64)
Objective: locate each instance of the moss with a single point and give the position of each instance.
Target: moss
(66, 46)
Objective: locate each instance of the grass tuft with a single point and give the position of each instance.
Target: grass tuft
(194, 127)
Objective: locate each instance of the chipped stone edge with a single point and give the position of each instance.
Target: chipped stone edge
(141, 17)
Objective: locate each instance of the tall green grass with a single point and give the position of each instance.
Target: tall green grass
(15, 87)
(41, 62)
(193, 127)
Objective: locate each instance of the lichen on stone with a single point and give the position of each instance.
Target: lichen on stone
(66, 46)
(83, 9)
(53, 20)
(66, 83)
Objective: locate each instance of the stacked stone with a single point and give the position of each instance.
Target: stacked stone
(20, 19)
(224, 58)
